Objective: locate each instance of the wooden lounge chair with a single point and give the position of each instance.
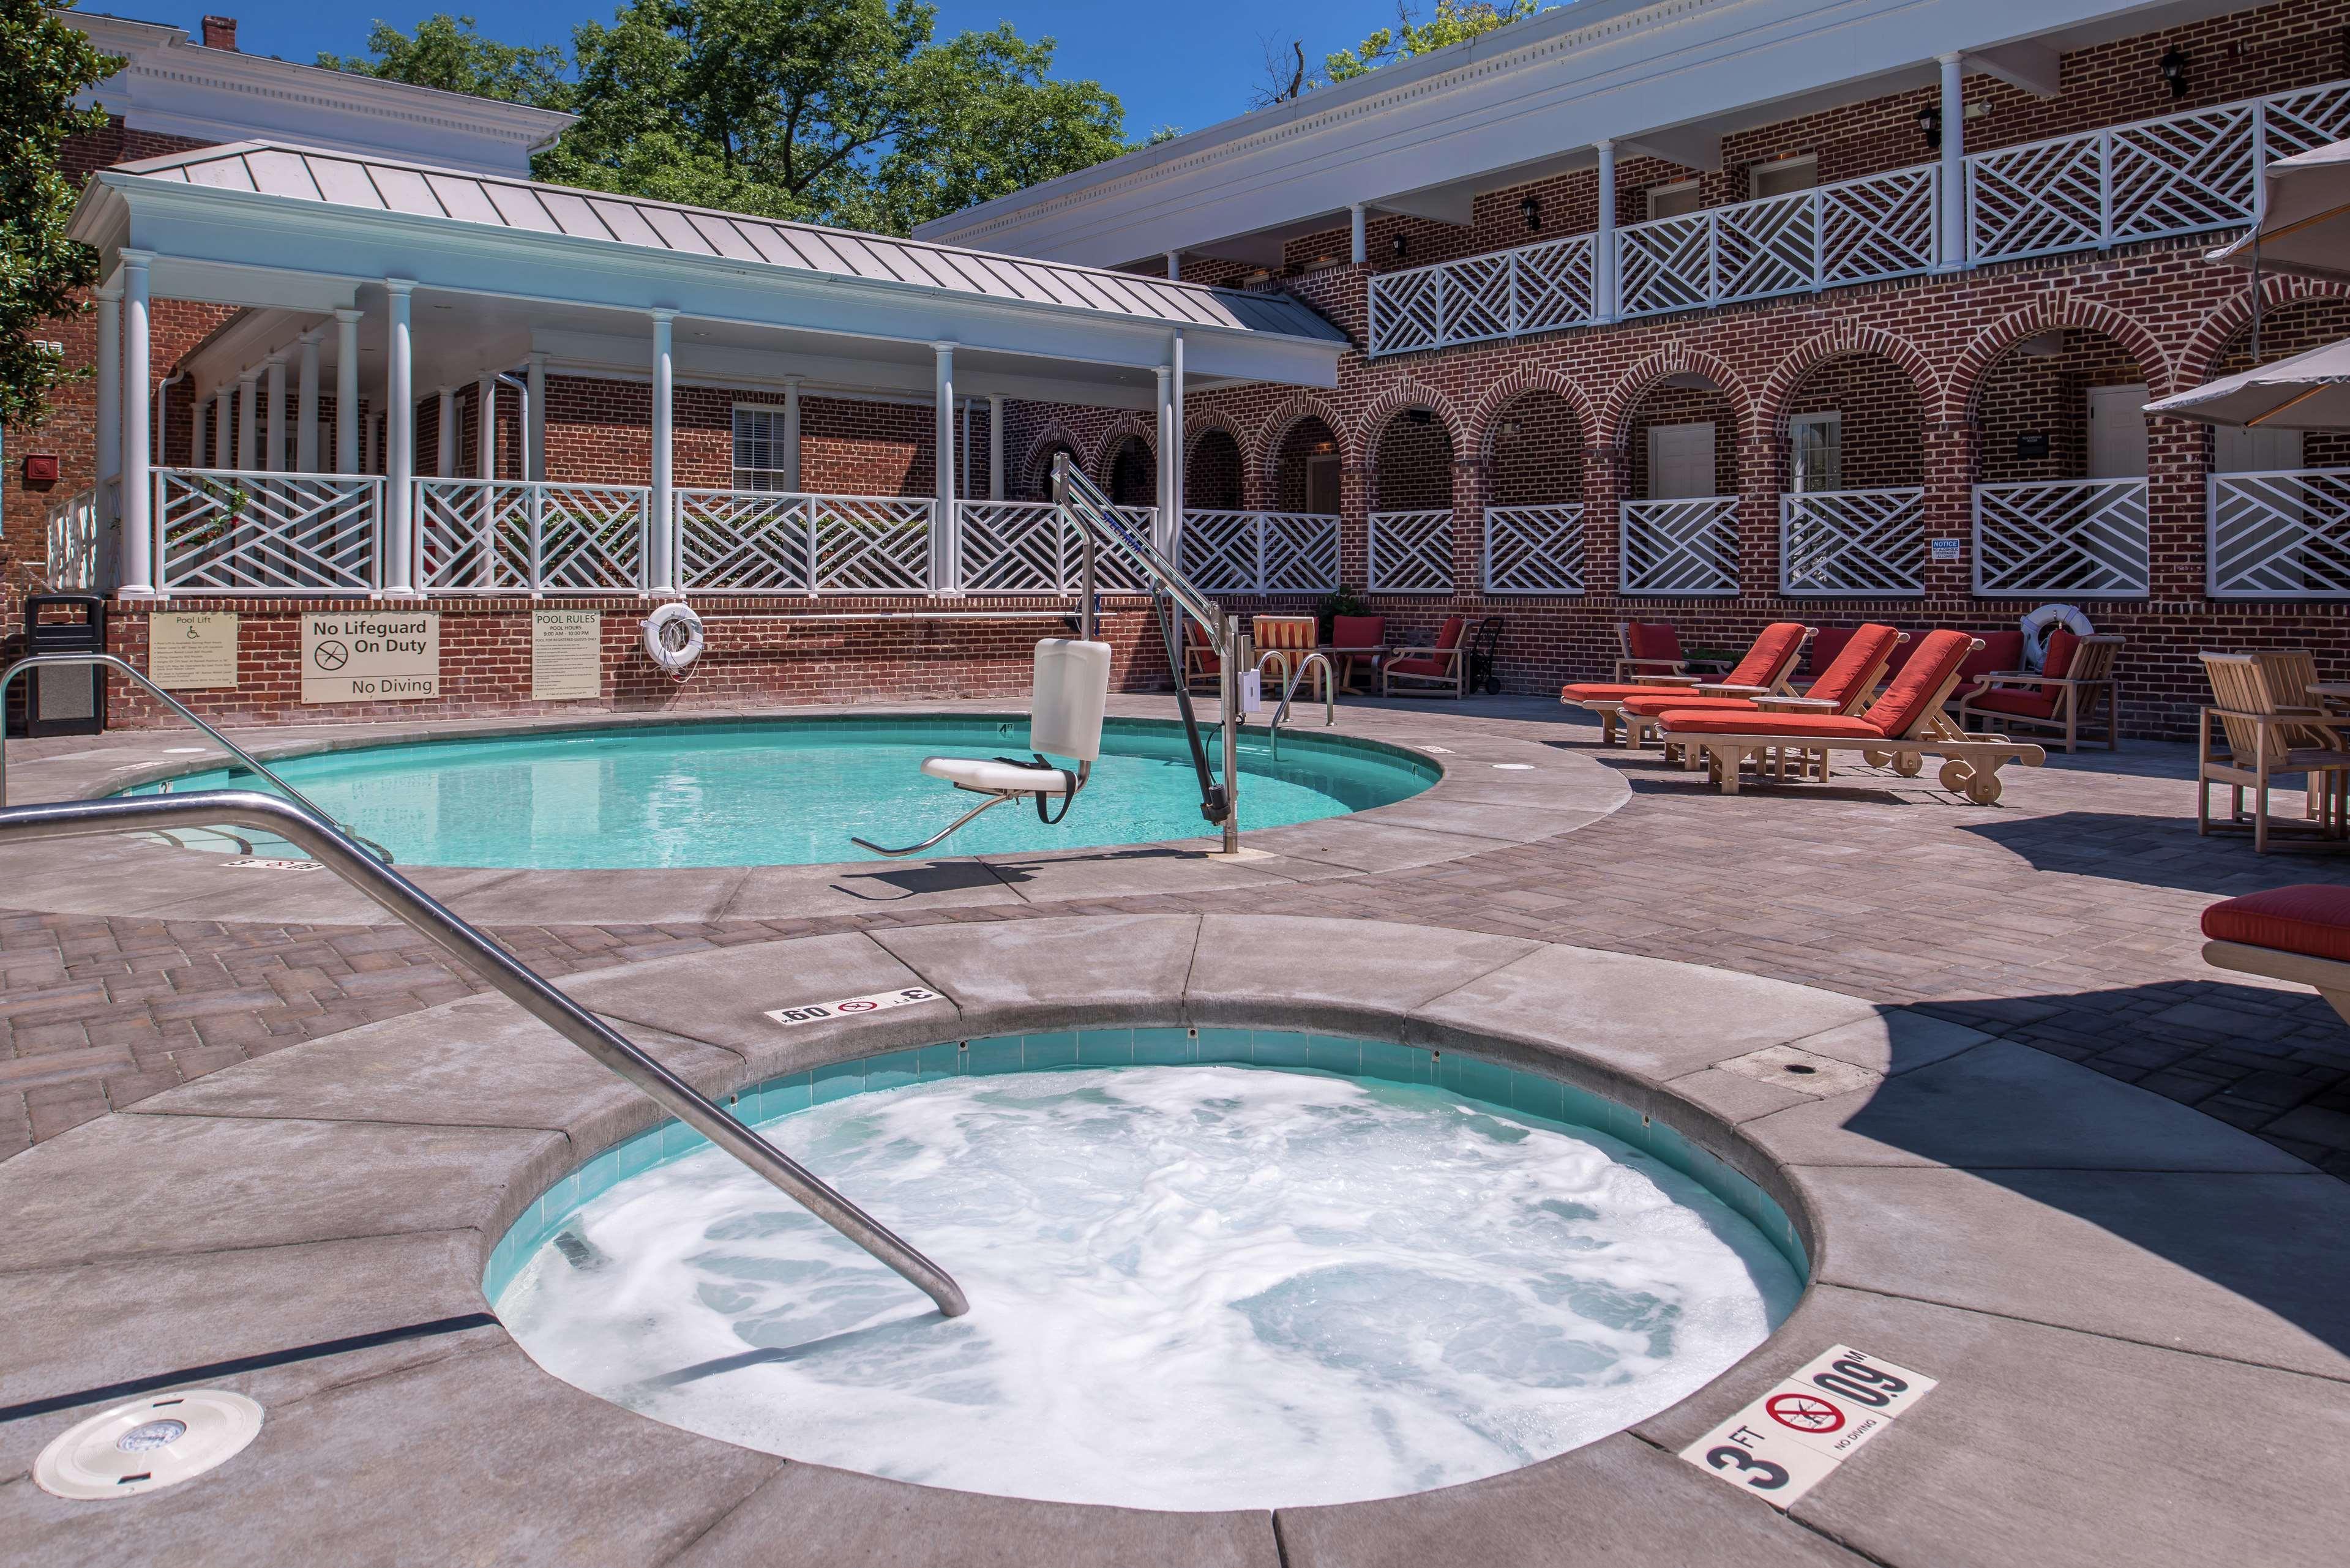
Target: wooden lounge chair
(1200, 660)
(2271, 732)
(1432, 669)
(2075, 679)
(1845, 686)
(1647, 648)
(2301, 934)
(1764, 668)
(1903, 727)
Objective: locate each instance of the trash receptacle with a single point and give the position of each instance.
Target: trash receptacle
(65, 700)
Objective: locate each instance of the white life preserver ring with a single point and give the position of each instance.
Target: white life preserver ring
(674, 653)
(2040, 623)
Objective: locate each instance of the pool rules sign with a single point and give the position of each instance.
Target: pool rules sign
(371, 656)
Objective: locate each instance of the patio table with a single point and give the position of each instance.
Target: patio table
(1342, 656)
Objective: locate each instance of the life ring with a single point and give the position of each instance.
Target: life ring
(2040, 623)
(673, 650)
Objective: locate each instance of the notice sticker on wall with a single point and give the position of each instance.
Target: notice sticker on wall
(370, 658)
(191, 650)
(566, 655)
(1945, 550)
(1793, 1438)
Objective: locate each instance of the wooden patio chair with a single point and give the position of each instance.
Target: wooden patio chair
(1645, 648)
(1200, 659)
(1766, 669)
(2075, 679)
(1431, 669)
(1902, 728)
(1289, 638)
(2300, 933)
(2272, 731)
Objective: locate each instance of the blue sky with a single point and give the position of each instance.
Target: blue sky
(1189, 72)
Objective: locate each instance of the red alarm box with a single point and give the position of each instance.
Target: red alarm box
(41, 468)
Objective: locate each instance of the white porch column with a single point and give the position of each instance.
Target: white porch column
(399, 440)
(1603, 243)
(791, 433)
(535, 418)
(444, 443)
(1954, 164)
(944, 535)
(224, 427)
(1177, 451)
(485, 405)
(664, 505)
(305, 391)
(1359, 246)
(994, 449)
(109, 389)
(248, 421)
(347, 391)
(138, 557)
(274, 451)
(198, 419)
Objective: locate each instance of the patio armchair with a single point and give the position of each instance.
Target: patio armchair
(1200, 659)
(1903, 728)
(1845, 685)
(1290, 638)
(1444, 663)
(1358, 631)
(2270, 730)
(1644, 649)
(2299, 933)
(1765, 669)
(2073, 682)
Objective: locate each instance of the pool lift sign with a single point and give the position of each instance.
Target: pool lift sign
(855, 1006)
(1793, 1438)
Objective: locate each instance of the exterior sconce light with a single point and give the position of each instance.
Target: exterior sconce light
(1530, 208)
(2174, 71)
(1930, 126)
(1402, 247)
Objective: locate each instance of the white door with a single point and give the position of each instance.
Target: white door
(2117, 432)
(1680, 461)
(2235, 449)
(1815, 452)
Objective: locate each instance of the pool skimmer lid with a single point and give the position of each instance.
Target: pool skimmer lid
(149, 1444)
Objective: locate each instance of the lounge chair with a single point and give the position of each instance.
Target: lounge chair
(2271, 732)
(2074, 679)
(1903, 727)
(1765, 669)
(1200, 659)
(1844, 686)
(2301, 934)
(1434, 668)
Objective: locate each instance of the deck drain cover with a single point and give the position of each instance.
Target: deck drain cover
(149, 1444)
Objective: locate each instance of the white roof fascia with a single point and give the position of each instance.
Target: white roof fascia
(173, 86)
(1557, 83)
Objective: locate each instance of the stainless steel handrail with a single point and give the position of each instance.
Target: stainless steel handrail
(506, 974)
(111, 661)
(1296, 679)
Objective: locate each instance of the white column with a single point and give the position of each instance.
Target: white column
(1175, 452)
(485, 407)
(399, 439)
(1359, 247)
(305, 391)
(1954, 163)
(248, 419)
(224, 427)
(274, 453)
(347, 391)
(996, 448)
(444, 455)
(138, 557)
(1166, 496)
(963, 483)
(664, 571)
(943, 535)
(109, 388)
(199, 420)
(535, 418)
(1603, 243)
(791, 433)
(1174, 267)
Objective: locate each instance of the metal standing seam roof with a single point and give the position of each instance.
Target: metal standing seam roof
(335, 179)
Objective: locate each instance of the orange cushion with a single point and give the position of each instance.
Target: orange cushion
(1450, 637)
(1358, 630)
(1653, 641)
(2311, 919)
(1840, 682)
(1607, 692)
(1652, 706)
(1422, 665)
(1826, 726)
(2029, 701)
(1773, 653)
(2000, 651)
(2062, 646)
(1912, 692)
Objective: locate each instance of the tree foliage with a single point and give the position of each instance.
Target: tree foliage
(449, 53)
(43, 63)
(1455, 22)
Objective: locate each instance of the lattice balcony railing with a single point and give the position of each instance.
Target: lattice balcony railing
(1501, 294)
(1260, 552)
(73, 552)
(744, 542)
(1860, 543)
(2279, 535)
(2082, 538)
(1411, 552)
(871, 544)
(1534, 549)
(514, 536)
(1012, 547)
(1856, 231)
(226, 530)
(1684, 547)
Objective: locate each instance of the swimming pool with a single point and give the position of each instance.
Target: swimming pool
(791, 791)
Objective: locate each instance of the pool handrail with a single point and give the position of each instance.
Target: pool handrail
(111, 662)
(506, 974)
(1289, 690)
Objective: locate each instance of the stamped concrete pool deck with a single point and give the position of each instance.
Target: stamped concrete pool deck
(2139, 1314)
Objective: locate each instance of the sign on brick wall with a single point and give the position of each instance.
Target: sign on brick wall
(370, 658)
(566, 655)
(191, 650)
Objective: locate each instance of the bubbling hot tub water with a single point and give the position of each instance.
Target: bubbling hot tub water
(1193, 1287)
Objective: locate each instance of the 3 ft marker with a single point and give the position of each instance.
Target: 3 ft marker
(855, 1006)
(1793, 1438)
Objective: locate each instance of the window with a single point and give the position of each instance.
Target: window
(1674, 200)
(1783, 177)
(760, 460)
(1817, 451)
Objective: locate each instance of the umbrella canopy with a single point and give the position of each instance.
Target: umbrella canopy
(2304, 217)
(2307, 392)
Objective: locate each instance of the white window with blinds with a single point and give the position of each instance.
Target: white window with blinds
(760, 460)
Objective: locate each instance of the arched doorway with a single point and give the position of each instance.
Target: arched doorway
(1410, 542)
(1679, 526)
(1533, 514)
(2060, 499)
(1852, 480)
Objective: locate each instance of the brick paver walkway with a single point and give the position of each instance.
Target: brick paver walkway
(2066, 919)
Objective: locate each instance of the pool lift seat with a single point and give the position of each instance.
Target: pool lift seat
(1068, 698)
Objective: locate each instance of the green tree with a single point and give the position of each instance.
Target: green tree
(43, 63)
(1455, 22)
(449, 53)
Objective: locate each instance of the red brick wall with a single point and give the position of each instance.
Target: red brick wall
(1536, 452)
(2027, 394)
(1212, 476)
(1415, 461)
(1883, 430)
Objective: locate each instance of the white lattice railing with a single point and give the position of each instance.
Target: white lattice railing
(1501, 294)
(1860, 543)
(1012, 547)
(1228, 551)
(520, 536)
(1534, 549)
(744, 542)
(73, 535)
(2279, 535)
(1411, 552)
(2080, 538)
(1877, 226)
(871, 544)
(226, 531)
(1687, 547)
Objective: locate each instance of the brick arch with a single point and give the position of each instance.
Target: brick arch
(1037, 472)
(1845, 342)
(1197, 426)
(1615, 423)
(1992, 344)
(1125, 425)
(2198, 361)
(1264, 453)
(1394, 402)
(1486, 416)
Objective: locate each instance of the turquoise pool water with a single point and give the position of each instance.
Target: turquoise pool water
(790, 792)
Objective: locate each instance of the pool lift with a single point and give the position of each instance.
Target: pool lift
(1069, 691)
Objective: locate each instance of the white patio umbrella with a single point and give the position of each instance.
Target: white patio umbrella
(2304, 224)
(2307, 392)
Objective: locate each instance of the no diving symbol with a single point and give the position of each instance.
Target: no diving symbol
(331, 655)
(1802, 1412)
(859, 1006)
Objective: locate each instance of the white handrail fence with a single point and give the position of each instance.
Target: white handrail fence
(2076, 538)
(1853, 543)
(1534, 549)
(1261, 553)
(1685, 548)
(525, 536)
(1411, 552)
(73, 535)
(229, 531)
(2279, 534)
